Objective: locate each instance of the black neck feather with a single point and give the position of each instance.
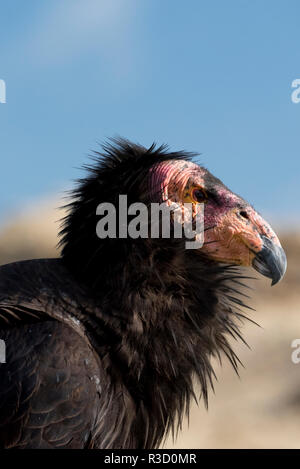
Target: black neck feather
(166, 310)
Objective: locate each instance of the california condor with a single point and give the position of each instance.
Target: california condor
(103, 344)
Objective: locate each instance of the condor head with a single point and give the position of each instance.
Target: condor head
(234, 233)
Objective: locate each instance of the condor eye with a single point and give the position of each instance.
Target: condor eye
(199, 195)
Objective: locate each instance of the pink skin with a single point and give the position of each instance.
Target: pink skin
(233, 227)
(169, 179)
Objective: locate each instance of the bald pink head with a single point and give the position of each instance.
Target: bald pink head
(234, 232)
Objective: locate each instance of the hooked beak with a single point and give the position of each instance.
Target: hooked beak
(242, 237)
(270, 261)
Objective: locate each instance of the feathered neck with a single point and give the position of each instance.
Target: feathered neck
(161, 319)
(164, 311)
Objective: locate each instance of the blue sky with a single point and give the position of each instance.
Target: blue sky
(208, 76)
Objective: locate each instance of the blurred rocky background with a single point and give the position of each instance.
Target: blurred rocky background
(261, 409)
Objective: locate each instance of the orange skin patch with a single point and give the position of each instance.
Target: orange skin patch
(233, 228)
(237, 239)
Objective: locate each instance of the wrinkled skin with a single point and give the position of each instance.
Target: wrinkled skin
(234, 232)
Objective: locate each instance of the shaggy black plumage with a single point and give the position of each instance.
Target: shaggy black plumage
(103, 344)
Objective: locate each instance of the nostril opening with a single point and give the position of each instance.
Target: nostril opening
(244, 214)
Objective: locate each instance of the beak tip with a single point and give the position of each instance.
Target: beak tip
(275, 281)
(271, 261)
